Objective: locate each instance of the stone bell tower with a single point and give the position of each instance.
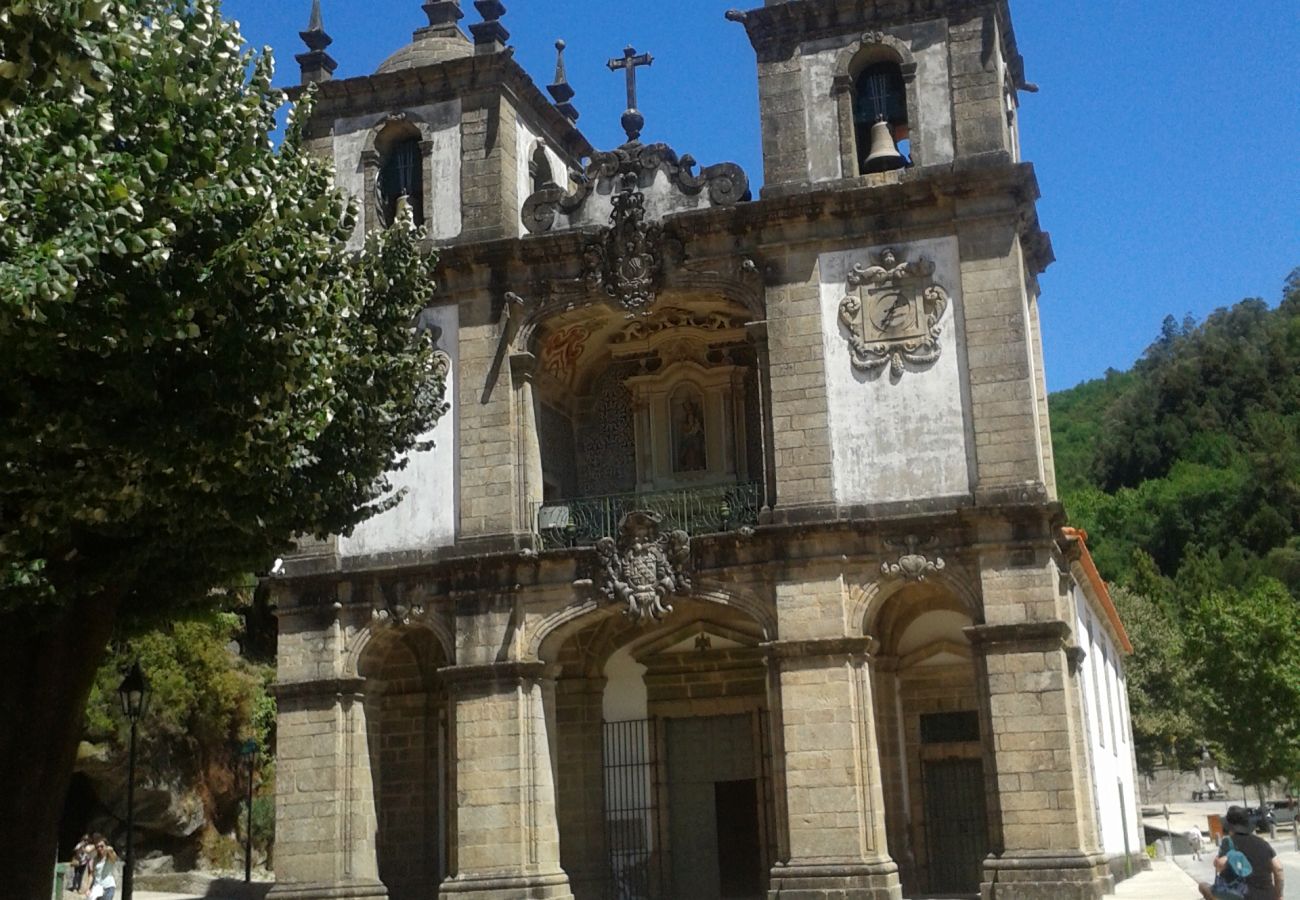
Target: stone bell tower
(919, 411)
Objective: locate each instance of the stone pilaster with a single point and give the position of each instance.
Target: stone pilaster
(507, 843)
(836, 815)
(325, 809)
(1043, 795)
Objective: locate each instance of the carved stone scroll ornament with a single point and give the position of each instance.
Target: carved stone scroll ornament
(396, 608)
(642, 568)
(894, 314)
(912, 565)
(627, 260)
(426, 325)
(726, 183)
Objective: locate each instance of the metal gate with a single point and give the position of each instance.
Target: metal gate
(631, 809)
(956, 828)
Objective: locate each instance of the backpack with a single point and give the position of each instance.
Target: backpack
(1231, 882)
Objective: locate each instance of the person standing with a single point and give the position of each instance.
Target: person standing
(1265, 879)
(104, 868)
(1196, 840)
(80, 860)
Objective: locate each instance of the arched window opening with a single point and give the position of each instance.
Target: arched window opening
(880, 98)
(539, 169)
(401, 176)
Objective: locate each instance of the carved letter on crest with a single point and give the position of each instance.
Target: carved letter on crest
(894, 314)
(642, 568)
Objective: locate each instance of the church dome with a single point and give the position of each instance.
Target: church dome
(428, 48)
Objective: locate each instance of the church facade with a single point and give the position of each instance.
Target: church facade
(736, 568)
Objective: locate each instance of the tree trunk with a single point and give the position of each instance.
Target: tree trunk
(45, 678)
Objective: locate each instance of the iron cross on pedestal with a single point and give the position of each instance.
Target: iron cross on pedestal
(633, 121)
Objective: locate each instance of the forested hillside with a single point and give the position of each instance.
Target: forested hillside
(1185, 472)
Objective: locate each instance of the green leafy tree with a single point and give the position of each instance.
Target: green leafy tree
(195, 368)
(1245, 645)
(1161, 686)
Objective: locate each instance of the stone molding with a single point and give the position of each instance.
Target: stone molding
(1019, 638)
(318, 688)
(822, 648)
(493, 673)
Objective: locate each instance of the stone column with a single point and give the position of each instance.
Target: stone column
(507, 843)
(1048, 837)
(579, 755)
(325, 809)
(835, 805)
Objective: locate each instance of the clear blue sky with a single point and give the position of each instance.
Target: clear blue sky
(1166, 137)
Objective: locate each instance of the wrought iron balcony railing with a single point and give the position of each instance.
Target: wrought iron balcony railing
(581, 521)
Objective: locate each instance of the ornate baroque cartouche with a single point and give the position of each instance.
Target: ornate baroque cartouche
(642, 568)
(912, 565)
(627, 260)
(894, 313)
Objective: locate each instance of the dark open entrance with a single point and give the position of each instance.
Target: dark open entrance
(740, 863)
(955, 824)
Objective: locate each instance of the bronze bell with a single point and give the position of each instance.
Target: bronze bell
(884, 155)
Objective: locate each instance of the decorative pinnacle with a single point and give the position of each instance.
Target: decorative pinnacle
(629, 62)
(443, 12)
(490, 35)
(561, 91)
(316, 65)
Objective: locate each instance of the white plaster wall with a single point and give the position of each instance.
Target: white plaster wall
(426, 517)
(526, 138)
(932, 140)
(1110, 753)
(896, 439)
(443, 121)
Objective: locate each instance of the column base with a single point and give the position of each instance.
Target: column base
(554, 886)
(350, 890)
(842, 881)
(1053, 876)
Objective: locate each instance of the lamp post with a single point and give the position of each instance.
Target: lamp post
(133, 692)
(248, 750)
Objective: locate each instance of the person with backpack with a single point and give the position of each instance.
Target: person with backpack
(1247, 866)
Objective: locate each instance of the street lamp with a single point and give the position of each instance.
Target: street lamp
(133, 692)
(248, 750)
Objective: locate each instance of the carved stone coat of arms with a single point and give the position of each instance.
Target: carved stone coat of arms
(643, 568)
(894, 314)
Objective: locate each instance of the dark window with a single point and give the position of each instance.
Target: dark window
(402, 174)
(950, 727)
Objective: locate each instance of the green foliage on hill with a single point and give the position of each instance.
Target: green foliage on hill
(1185, 472)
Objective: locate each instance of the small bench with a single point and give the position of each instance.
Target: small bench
(1209, 794)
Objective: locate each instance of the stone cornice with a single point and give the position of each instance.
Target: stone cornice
(822, 648)
(775, 31)
(456, 78)
(317, 688)
(851, 207)
(1019, 638)
(493, 673)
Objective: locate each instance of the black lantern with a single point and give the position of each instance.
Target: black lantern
(134, 693)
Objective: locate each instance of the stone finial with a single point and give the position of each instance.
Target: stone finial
(316, 65)
(561, 91)
(443, 13)
(490, 35)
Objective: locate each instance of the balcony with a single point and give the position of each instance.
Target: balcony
(581, 521)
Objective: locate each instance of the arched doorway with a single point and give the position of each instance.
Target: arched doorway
(664, 756)
(931, 734)
(406, 719)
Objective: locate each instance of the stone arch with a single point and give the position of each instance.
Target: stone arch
(872, 47)
(406, 713)
(868, 600)
(381, 628)
(558, 627)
